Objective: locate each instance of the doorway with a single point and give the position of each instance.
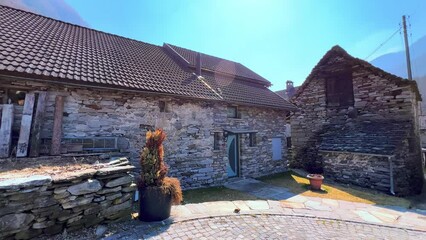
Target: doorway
(232, 149)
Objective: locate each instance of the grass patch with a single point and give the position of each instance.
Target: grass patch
(214, 194)
(300, 185)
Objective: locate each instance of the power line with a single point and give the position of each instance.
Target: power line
(383, 43)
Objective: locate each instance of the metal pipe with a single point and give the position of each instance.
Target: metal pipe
(392, 187)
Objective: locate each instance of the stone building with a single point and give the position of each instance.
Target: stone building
(359, 125)
(289, 91)
(71, 89)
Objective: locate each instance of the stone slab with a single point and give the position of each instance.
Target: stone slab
(25, 182)
(113, 170)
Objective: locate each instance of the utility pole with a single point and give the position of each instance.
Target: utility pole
(407, 49)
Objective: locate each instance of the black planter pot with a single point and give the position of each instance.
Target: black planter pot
(154, 205)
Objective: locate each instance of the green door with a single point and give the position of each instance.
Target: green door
(232, 150)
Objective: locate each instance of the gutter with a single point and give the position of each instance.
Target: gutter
(66, 82)
(392, 184)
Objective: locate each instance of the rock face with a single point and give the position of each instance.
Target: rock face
(37, 205)
(190, 126)
(379, 122)
(89, 186)
(13, 222)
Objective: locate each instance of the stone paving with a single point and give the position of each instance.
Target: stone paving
(266, 219)
(297, 217)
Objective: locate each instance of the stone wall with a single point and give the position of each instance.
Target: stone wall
(366, 170)
(36, 205)
(377, 96)
(189, 124)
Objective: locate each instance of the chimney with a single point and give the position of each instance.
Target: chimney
(198, 64)
(290, 89)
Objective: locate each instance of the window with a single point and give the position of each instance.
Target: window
(216, 141)
(276, 149)
(288, 142)
(232, 112)
(13, 97)
(339, 90)
(164, 107)
(252, 139)
(94, 143)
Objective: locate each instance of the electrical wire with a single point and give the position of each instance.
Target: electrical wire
(383, 43)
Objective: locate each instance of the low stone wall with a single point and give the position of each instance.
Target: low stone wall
(37, 205)
(365, 170)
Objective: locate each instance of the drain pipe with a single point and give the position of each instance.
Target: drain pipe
(392, 187)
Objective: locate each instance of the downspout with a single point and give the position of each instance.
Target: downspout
(392, 187)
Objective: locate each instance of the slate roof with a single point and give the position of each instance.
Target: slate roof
(220, 65)
(38, 47)
(373, 137)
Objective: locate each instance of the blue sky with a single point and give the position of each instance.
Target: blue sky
(280, 40)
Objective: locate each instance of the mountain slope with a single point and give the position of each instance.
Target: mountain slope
(395, 63)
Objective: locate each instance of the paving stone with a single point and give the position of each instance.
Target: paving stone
(330, 202)
(241, 205)
(265, 227)
(257, 204)
(366, 216)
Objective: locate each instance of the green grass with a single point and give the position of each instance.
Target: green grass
(214, 194)
(300, 185)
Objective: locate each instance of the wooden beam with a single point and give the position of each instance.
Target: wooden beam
(24, 133)
(37, 123)
(6, 130)
(57, 126)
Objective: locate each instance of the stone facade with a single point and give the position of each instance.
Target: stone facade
(379, 98)
(370, 171)
(190, 125)
(36, 205)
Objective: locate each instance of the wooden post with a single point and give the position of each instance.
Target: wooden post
(24, 133)
(6, 130)
(57, 126)
(37, 123)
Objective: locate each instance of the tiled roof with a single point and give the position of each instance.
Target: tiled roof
(373, 137)
(239, 91)
(38, 47)
(216, 64)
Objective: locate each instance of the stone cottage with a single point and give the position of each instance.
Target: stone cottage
(359, 125)
(69, 89)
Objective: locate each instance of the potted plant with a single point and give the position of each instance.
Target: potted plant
(157, 192)
(315, 180)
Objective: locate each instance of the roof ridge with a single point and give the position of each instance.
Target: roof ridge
(76, 25)
(203, 53)
(257, 77)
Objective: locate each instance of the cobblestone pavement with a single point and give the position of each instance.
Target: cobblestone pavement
(296, 217)
(267, 227)
(265, 219)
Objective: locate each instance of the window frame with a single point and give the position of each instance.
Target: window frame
(252, 138)
(339, 89)
(216, 141)
(274, 158)
(236, 115)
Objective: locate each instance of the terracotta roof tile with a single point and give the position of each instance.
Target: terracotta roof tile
(216, 64)
(38, 47)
